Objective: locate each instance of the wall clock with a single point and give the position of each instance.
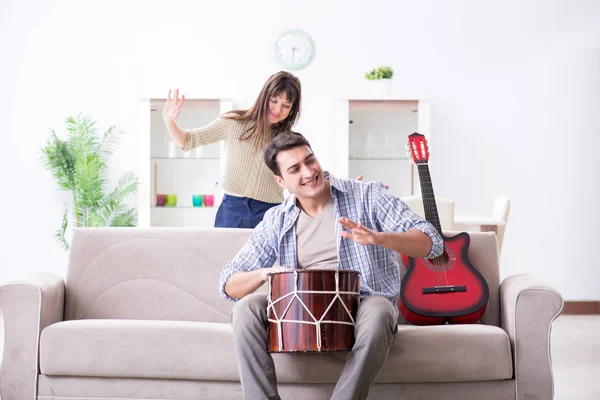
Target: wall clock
(294, 49)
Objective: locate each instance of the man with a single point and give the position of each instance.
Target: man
(306, 231)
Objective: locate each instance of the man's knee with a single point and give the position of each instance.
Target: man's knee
(376, 314)
(248, 308)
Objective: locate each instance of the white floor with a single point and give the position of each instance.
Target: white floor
(575, 345)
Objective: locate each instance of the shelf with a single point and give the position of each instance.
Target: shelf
(185, 158)
(161, 174)
(191, 104)
(378, 158)
(372, 97)
(185, 207)
(383, 104)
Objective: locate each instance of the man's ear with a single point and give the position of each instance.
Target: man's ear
(280, 182)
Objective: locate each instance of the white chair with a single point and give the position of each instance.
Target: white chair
(475, 223)
(500, 211)
(445, 208)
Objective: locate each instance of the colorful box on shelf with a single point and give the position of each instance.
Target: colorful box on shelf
(171, 200)
(203, 200)
(166, 200)
(198, 200)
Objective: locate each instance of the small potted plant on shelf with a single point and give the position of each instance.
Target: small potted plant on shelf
(381, 78)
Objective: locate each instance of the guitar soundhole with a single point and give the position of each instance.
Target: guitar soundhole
(441, 263)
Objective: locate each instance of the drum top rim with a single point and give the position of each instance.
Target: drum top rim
(301, 271)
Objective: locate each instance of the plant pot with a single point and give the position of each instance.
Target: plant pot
(171, 200)
(198, 200)
(209, 200)
(381, 87)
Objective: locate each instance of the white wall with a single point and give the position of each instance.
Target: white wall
(514, 88)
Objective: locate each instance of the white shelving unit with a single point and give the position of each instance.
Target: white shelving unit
(182, 174)
(371, 136)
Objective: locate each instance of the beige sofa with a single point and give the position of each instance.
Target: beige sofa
(140, 317)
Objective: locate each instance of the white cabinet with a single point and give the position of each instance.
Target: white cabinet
(371, 136)
(167, 172)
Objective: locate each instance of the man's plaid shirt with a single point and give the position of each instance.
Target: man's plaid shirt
(368, 203)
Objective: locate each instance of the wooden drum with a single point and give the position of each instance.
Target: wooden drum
(312, 310)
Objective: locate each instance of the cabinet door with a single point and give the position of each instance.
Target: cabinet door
(183, 174)
(378, 133)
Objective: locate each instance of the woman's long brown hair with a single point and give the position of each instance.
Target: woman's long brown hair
(258, 114)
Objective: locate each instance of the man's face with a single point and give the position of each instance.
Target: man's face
(301, 173)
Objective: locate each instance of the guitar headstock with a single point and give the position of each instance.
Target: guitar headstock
(418, 148)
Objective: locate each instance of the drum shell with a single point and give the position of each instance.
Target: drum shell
(302, 337)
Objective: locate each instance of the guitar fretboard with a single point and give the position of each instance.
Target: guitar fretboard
(431, 212)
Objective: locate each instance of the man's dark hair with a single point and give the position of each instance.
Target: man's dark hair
(283, 141)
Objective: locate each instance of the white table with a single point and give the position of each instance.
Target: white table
(477, 223)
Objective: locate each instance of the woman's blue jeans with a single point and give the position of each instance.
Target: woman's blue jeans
(240, 212)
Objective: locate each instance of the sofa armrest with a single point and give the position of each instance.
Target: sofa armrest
(26, 307)
(527, 308)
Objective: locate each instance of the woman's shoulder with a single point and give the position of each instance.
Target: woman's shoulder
(232, 119)
(224, 123)
(230, 114)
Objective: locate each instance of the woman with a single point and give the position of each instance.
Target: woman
(248, 185)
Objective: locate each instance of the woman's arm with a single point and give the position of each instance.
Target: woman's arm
(170, 113)
(189, 139)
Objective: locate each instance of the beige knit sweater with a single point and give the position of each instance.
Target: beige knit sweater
(245, 171)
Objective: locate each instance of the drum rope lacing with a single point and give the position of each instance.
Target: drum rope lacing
(315, 321)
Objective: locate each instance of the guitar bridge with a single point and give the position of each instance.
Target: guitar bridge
(444, 289)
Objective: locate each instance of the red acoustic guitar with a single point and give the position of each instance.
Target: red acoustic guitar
(446, 288)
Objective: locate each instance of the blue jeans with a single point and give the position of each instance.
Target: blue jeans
(240, 212)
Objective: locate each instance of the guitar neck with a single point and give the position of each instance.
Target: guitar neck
(431, 212)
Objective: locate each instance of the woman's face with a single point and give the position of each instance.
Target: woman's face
(279, 108)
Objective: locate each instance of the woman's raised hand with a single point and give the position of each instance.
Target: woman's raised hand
(360, 178)
(173, 106)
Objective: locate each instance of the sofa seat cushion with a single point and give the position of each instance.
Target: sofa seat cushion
(139, 349)
(204, 351)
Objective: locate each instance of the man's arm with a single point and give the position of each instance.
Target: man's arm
(243, 283)
(247, 271)
(413, 243)
(404, 230)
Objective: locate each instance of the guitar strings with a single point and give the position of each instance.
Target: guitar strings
(441, 277)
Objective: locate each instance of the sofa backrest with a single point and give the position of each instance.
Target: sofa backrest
(150, 273)
(173, 273)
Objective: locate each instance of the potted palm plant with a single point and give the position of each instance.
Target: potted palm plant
(78, 164)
